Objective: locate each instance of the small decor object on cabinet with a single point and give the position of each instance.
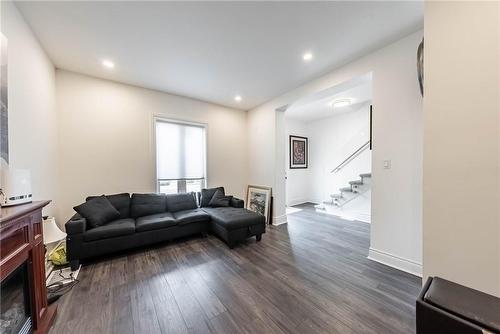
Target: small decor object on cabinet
(259, 200)
(420, 66)
(298, 152)
(4, 104)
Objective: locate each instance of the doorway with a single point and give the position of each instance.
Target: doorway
(328, 145)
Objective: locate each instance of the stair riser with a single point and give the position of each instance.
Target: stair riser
(355, 188)
(356, 183)
(367, 180)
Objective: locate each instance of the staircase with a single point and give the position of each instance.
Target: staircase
(347, 194)
(354, 201)
(351, 197)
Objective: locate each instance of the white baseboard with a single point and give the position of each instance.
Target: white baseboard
(278, 220)
(363, 217)
(297, 202)
(394, 261)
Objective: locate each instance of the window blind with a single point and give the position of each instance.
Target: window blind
(180, 150)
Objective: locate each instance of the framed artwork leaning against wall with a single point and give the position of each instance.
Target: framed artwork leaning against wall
(259, 200)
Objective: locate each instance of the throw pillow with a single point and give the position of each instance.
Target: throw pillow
(220, 200)
(121, 202)
(207, 194)
(97, 211)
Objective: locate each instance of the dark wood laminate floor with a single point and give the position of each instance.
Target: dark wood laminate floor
(308, 276)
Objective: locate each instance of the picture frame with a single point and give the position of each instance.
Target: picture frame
(299, 152)
(259, 200)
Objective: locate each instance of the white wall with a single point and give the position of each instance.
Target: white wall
(396, 236)
(462, 143)
(105, 132)
(32, 115)
(261, 148)
(298, 189)
(331, 141)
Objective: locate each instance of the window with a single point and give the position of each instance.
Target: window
(180, 156)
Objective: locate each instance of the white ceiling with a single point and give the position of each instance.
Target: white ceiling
(319, 105)
(213, 51)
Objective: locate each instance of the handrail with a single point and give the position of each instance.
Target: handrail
(352, 156)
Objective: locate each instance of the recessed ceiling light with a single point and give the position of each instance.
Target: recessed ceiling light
(108, 64)
(341, 103)
(237, 98)
(308, 56)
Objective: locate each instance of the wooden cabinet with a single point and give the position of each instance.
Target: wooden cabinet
(21, 242)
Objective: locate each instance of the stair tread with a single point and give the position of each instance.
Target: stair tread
(366, 175)
(357, 182)
(346, 189)
(336, 196)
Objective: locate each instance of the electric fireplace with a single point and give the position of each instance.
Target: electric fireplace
(15, 309)
(23, 305)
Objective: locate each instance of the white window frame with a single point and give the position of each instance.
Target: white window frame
(159, 118)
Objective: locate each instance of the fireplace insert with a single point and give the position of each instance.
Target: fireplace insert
(15, 309)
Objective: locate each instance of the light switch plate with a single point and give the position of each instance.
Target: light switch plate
(387, 164)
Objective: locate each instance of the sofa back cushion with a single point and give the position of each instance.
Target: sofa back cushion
(97, 211)
(147, 204)
(121, 202)
(207, 194)
(180, 202)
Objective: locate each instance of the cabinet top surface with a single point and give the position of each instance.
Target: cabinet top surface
(11, 212)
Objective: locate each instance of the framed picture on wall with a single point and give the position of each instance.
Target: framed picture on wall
(259, 200)
(298, 152)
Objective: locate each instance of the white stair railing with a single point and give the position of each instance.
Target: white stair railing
(351, 157)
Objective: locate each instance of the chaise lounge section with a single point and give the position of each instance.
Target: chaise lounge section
(144, 219)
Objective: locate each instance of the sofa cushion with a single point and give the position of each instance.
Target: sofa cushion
(147, 204)
(233, 218)
(155, 222)
(112, 229)
(220, 200)
(97, 211)
(207, 194)
(191, 216)
(121, 202)
(180, 202)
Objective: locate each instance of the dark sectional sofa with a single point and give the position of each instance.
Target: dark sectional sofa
(145, 219)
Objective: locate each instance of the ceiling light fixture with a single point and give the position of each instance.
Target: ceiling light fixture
(237, 98)
(308, 56)
(341, 103)
(108, 64)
